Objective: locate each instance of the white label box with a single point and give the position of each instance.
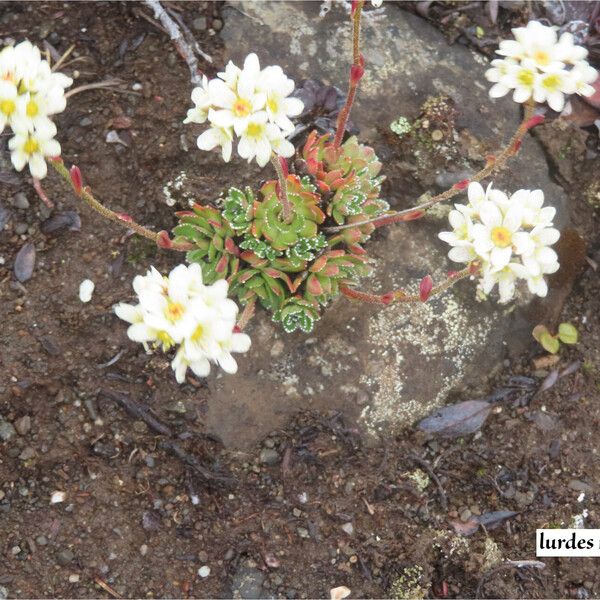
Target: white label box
(567, 542)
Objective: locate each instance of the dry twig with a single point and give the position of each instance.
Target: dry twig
(178, 38)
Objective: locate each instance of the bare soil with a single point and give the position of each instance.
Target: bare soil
(309, 508)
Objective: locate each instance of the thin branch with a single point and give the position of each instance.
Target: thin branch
(183, 47)
(493, 163)
(98, 85)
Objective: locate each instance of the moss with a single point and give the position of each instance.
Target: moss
(420, 479)
(401, 126)
(409, 584)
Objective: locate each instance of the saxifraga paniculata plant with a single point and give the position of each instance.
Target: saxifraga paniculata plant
(300, 241)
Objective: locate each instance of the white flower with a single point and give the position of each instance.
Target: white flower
(181, 310)
(279, 107)
(86, 289)
(493, 237)
(239, 105)
(32, 147)
(201, 97)
(217, 136)
(538, 65)
(8, 103)
(261, 138)
(251, 104)
(376, 3)
(509, 238)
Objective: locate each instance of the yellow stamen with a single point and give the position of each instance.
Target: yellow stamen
(273, 105)
(255, 130)
(7, 107)
(541, 58)
(241, 108)
(552, 82)
(31, 146)
(198, 333)
(174, 311)
(525, 77)
(165, 340)
(32, 108)
(501, 237)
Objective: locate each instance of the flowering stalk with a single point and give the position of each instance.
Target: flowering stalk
(247, 314)
(280, 166)
(402, 296)
(73, 178)
(356, 72)
(493, 163)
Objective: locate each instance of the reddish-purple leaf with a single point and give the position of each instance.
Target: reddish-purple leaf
(25, 262)
(458, 419)
(550, 380)
(489, 520)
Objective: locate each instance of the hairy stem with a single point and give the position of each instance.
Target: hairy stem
(402, 296)
(493, 163)
(357, 65)
(282, 194)
(160, 239)
(247, 314)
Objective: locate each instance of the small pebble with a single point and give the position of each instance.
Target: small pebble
(348, 528)
(269, 456)
(204, 571)
(57, 497)
(21, 228)
(143, 549)
(23, 425)
(73, 578)
(86, 289)
(20, 201)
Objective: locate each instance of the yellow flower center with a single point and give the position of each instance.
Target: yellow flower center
(255, 130)
(273, 105)
(165, 340)
(32, 108)
(30, 146)
(241, 108)
(174, 311)
(7, 107)
(526, 77)
(552, 82)
(501, 237)
(541, 58)
(198, 333)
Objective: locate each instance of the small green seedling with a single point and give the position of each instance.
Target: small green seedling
(567, 334)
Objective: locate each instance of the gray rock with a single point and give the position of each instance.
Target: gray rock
(21, 228)
(199, 23)
(27, 453)
(20, 201)
(269, 456)
(64, 557)
(41, 540)
(580, 486)
(85, 122)
(3, 593)
(6, 430)
(248, 583)
(406, 358)
(23, 425)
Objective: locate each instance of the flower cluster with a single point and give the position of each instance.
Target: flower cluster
(509, 237)
(250, 103)
(30, 93)
(538, 65)
(181, 310)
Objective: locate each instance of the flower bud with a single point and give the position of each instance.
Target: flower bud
(76, 179)
(461, 185)
(163, 240)
(535, 120)
(425, 288)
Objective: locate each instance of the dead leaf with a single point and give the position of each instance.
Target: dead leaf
(488, 520)
(25, 262)
(458, 419)
(546, 361)
(550, 380)
(60, 222)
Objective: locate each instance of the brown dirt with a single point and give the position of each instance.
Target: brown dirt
(137, 521)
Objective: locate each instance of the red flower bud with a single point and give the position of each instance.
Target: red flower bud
(425, 287)
(535, 120)
(76, 179)
(236, 329)
(125, 217)
(387, 298)
(284, 166)
(461, 185)
(452, 274)
(356, 73)
(163, 240)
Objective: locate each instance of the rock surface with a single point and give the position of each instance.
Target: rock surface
(387, 367)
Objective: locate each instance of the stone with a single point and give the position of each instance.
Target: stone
(580, 486)
(64, 557)
(27, 453)
(199, 23)
(21, 228)
(407, 359)
(248, 583)
(6, 430)
(20, 201)
(269, 456)
(23, 425)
